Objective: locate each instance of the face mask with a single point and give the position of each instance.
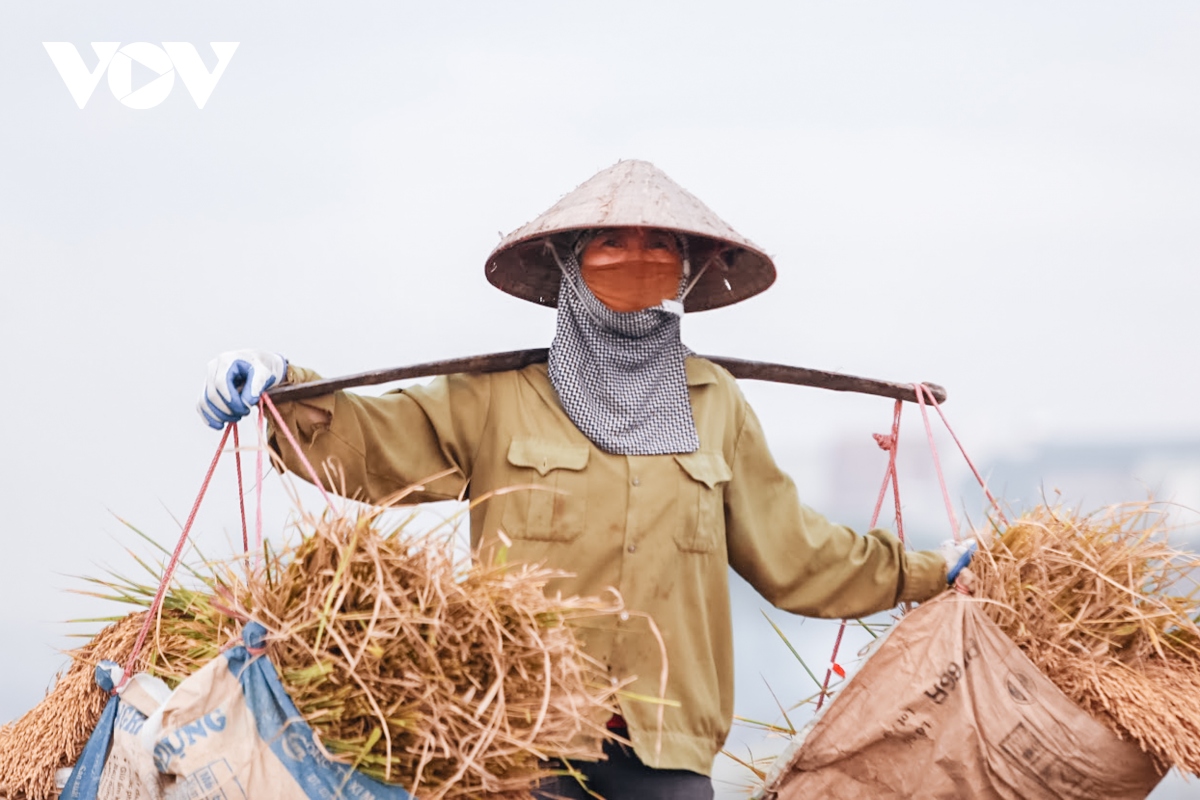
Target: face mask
(630, 269)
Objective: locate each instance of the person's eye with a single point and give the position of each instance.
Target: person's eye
(660, 245)
(612, 242)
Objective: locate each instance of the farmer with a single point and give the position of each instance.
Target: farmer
(658, 470)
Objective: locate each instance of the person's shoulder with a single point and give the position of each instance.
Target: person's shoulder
(701, 372)
(537, 374)
(715, 381)
(515, 381)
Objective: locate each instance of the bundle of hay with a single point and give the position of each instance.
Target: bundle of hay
(1107, 610)
(450, 679)
(52, 734)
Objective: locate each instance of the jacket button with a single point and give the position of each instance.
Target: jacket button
(632, 548)
(637, 481)
(623, 616)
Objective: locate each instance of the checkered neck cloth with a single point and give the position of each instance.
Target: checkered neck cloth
(620, 375)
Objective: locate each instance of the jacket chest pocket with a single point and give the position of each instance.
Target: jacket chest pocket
(701, 501)
(552, 503)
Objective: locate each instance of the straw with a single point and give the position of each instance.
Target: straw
(1106, 608)
(451, 679)
(53, 733)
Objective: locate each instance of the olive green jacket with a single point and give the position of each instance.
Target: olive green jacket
(662, 530)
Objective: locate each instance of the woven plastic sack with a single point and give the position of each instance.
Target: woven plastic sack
(947, 706)
(114, 765)
(230, 731)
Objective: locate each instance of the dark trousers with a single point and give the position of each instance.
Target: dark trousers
(624, 777)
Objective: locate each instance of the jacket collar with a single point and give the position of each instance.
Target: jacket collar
(700, 371)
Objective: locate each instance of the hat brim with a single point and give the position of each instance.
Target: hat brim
(632, 194)
(526, 269)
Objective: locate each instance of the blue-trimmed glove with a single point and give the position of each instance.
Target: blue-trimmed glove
(958, 556)
(235, 382)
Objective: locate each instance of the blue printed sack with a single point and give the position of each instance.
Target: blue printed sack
(114, 765)
(228, 732)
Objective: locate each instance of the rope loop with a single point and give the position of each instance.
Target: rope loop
(890, 444)
(237, 460)
(168, 573)
(921, 390)
(287, 432)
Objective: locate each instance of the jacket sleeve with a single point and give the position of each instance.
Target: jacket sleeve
(375, 447)
(801, 562)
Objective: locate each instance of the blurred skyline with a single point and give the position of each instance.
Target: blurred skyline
(997, 197)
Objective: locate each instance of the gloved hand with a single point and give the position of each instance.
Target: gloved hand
(958, 556)
(235, 381)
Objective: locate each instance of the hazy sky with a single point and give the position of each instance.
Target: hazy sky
(999, 197)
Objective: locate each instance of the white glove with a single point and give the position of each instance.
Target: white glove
(235, 381)
(958, 556)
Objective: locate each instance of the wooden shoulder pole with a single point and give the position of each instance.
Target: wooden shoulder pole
(518, 359)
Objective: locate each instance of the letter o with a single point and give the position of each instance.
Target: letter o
(120, 75)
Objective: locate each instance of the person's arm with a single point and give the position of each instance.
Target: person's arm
(378, 446)
(800, 561)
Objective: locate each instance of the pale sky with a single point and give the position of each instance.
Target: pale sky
(998, 197)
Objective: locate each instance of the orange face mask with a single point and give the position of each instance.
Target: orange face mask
(630, 269)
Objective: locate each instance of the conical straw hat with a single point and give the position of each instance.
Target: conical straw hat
(633, 193)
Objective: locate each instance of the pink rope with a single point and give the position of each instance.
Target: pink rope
(170, 570)
(890, 443)
(921, 389)
(982, 484)
(237, 460)
(895, 447)
(266, 400)
(837, 645)
(258, 486)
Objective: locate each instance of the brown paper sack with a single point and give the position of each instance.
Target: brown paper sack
(949, 707)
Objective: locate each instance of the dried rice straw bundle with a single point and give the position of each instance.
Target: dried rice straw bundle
(1106, 608)
(453, 680)
(52, 734)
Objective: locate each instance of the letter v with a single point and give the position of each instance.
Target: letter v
(196, 77)
(80, 82)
